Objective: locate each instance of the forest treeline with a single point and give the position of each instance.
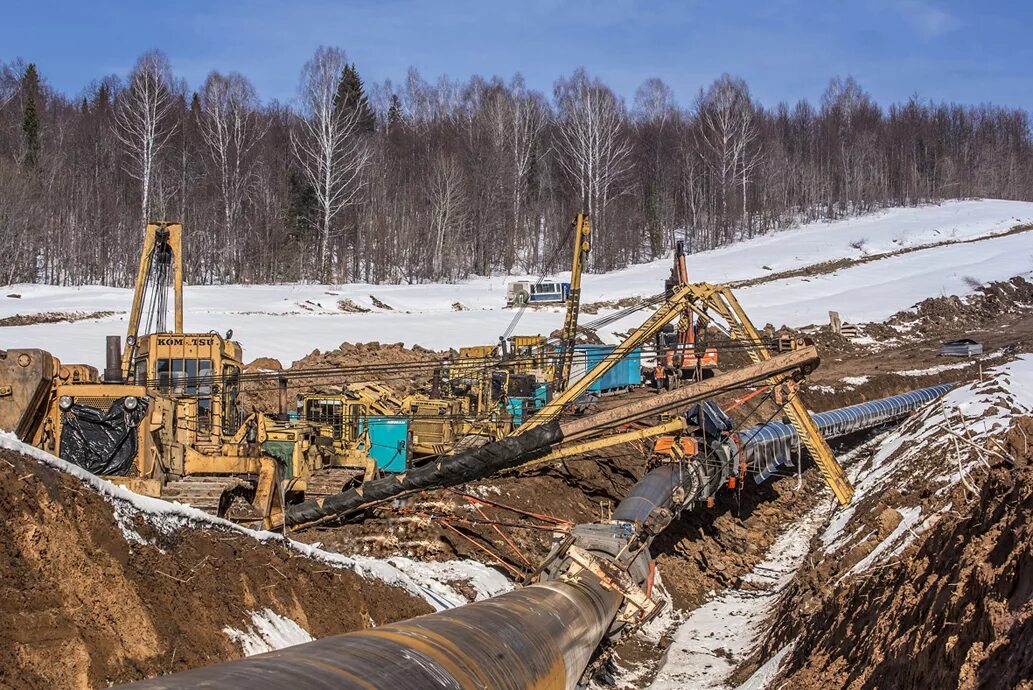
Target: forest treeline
(418, 181)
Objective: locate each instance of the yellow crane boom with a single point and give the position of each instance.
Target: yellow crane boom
(707, 300)
(582, 245)
(162, 249)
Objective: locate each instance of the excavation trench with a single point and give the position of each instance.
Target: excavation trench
(542, 635)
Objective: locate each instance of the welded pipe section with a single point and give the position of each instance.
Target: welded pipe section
(767, 446)
(660, 494)
(541, 636)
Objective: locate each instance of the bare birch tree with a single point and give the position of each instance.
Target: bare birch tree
(327, 146)
(727, 132)
(517, 118)
(229, 126)
(143, 120)
(448, 209)
(593, 147)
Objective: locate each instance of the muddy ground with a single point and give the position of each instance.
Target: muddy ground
(953, 610)
(82, 607)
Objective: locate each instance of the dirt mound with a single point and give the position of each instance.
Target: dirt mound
(379, 304)
(82, 605)
(349, 306)
(624, 302)
(956, 614)
(53, 317)
(264, 364)
(949, 314)
(584, 335)
(263, 394)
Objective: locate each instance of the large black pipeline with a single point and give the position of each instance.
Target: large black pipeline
(540, 636)
(663, 489)
(447, 471)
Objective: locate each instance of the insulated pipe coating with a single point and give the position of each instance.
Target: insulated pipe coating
(541, 636)
(767, 446)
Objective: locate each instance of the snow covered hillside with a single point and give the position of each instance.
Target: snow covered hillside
(889, 261)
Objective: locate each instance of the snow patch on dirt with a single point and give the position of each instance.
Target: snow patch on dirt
(268, 632)
(716, 637)
(959, 426)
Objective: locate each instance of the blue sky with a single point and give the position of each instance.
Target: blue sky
(969, 52)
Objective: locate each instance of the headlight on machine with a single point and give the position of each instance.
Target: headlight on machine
(130, 402)
(65, 402)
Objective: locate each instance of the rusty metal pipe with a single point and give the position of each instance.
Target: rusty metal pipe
(541, 636)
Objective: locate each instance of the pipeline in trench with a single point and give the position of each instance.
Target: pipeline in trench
(594, 585)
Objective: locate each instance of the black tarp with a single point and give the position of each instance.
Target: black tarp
(102, 442)
(447, 471)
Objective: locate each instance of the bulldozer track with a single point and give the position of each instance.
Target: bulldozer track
(203, 493)
(331, 481)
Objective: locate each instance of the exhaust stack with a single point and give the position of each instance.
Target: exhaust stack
(113, 360)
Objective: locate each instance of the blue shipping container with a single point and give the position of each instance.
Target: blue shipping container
(624, 374)
(522, 408)
(389, 443)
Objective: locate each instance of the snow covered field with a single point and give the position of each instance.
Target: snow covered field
(289, 321)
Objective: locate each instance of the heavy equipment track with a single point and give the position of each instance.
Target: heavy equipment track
(331, 481)
(210, 494)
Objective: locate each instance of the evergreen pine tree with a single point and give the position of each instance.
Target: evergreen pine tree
(102, 100)
(30, 119)
(351, 95)
(394, 112)
(302, 216)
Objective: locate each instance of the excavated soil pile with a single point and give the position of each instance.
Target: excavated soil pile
(53, 317)
(954, 611)
(939, 314)
(263, 395)
(82, 607)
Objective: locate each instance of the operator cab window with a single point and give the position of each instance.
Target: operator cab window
(163, 369)
(140, 372)
(230, 387)
(203, 390)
